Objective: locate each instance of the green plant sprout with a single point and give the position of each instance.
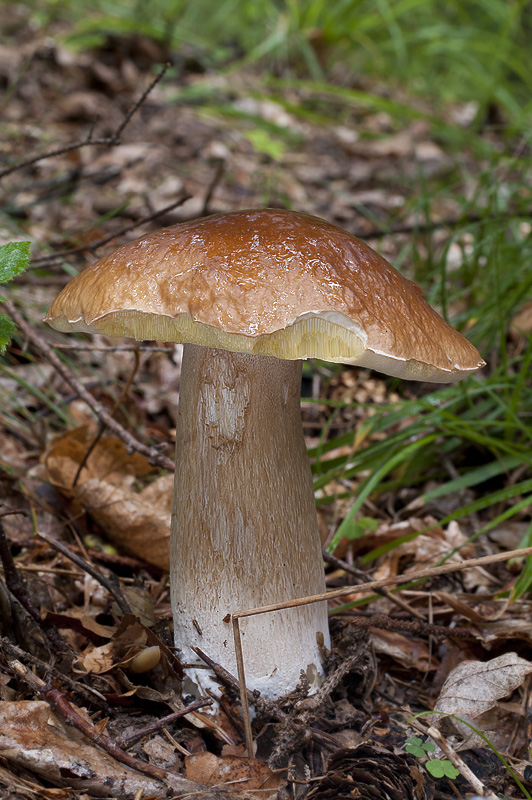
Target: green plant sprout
(486, 741)
(14, 258)
(438, 768)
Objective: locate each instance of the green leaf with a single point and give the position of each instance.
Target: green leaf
(417, 747)
(415, 750)
(442, 769)
(7, 329)
(14, 258)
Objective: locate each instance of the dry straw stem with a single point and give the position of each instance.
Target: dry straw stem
(346, 590)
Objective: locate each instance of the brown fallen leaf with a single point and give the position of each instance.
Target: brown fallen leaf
(136, 521)
(411, 653)
(241, 772)
(30, 739)
(126, 642)
(472, 691)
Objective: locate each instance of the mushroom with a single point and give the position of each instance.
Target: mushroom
(251, 294)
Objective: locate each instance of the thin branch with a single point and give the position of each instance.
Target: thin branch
(127, 739)
(361, 576)
(113, 590)
(69, 714)
(477, 786)
(93, 246)
(64, 709)
(13, 652)
(446, 222)
(101, 425)
(132, 443)
(107, 141)
(372, 586)
(217, 177)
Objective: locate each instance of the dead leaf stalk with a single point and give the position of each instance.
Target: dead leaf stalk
(101, 425)
(132, 443)
(363, 577)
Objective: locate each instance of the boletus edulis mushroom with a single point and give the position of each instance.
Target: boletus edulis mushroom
(251, 294)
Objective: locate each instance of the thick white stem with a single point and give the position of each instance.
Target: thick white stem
(244, 528)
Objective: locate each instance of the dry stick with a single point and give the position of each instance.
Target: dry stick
(363, 576)
(38, 262)
(108, 141)
(362, 587)
(114, 591)
(60, 704)
(126, 740)
(12, 652)
(101, 425)
(131, 442)
(220, 169)
(69, 714)
(446, 222)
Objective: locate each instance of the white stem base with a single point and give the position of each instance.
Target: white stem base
(244, 528)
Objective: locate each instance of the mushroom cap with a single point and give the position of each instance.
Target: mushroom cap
(269, 282)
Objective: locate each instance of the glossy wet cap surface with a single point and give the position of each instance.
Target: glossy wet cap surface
(236, 280)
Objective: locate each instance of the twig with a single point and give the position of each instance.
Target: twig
(415, 627)
(101, 425)
(17, 589)
(93, 246)
(61, 705)
(14, 652)
(114, 591)
(446, 222)
(363, 576)
(108, 141)
(372, 586)
(127, 739)
(131, 442)
(220, 169)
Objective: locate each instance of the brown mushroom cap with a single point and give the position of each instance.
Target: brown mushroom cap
(268, 282)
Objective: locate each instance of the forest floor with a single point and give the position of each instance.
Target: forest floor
(97, 148)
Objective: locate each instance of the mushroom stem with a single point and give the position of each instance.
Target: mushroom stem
(244, 527)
